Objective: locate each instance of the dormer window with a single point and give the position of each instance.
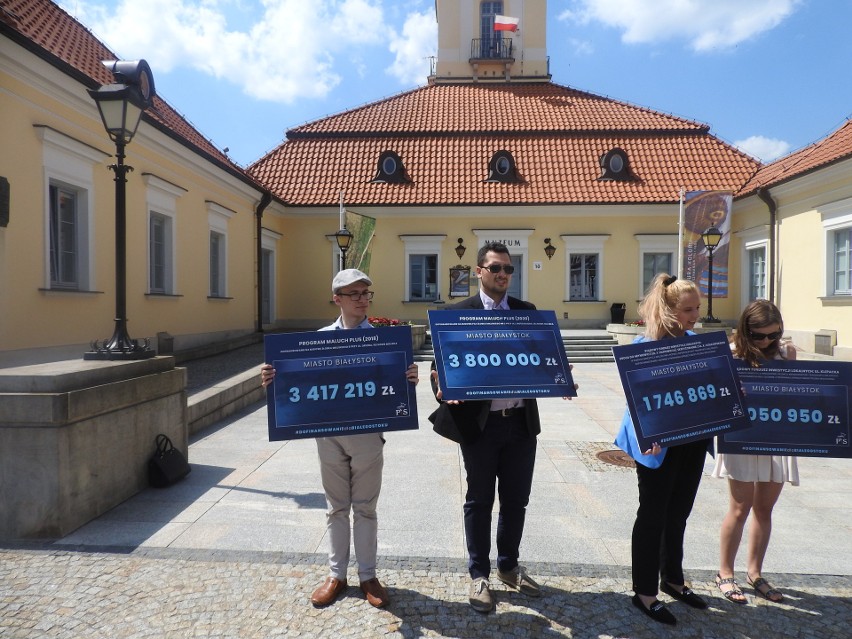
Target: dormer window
(614, 166)
(502, 168)
(390, 169)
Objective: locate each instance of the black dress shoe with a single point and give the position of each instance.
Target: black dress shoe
(686, 596)
(657, 611)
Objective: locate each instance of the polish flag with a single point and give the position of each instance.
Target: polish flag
(505, 23)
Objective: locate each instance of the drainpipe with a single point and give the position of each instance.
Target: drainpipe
(265, 199)
(764, 195)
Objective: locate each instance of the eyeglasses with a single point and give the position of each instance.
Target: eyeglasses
(358, 295)
(508, 269)
(761, 336)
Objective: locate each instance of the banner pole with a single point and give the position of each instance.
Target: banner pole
(680, 236)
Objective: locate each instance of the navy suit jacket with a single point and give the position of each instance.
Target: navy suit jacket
(463, 423)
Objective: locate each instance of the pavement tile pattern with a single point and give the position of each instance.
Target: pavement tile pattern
(235, 550)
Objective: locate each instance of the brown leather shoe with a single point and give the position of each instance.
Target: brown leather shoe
(328, 592)
(375, 592)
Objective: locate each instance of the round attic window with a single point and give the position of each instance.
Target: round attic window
(389, 165)
(616, 163)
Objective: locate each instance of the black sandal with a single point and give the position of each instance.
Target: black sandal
(732, 594)
(770, 593)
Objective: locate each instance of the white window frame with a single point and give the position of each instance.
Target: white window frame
(422, 245)
(168, 248)
(217, 219)
(836, 217)
(655, 243)
(70, 164)
(583, 245)
(65, 192)
(750, 240)
(269, 242)
(750, 250)
(162, 199)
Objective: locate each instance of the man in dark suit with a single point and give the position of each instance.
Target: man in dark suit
(498, 443)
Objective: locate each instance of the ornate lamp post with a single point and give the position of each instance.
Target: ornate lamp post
(121, 106)
(344, 239)
(711, 237)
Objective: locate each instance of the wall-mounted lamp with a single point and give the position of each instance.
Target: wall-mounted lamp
(549, 249)
(344, 240)
(460, 249)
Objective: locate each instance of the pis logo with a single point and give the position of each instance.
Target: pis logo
(402, 410)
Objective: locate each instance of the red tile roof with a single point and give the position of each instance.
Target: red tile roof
(446, 135)
(832, 148)
(51, 33)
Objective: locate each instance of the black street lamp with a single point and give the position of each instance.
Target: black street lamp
(121, 106)
(711, 237)
(344, 239)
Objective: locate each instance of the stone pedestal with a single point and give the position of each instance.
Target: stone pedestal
(418, 336)
(75, 438)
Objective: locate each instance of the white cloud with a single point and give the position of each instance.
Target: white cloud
(704, 25)
(765, 149)
(581, 47)
(284, 50)
(418, 41)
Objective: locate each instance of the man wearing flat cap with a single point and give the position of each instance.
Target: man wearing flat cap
(351, 468)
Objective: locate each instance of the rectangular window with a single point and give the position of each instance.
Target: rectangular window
(757, 273)
(157, 258)
(843, 262)
(423, 278)
(64, 237)
(653, 263)
(217, 264)
(583, 277)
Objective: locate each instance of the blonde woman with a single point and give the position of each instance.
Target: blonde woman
(668, 478)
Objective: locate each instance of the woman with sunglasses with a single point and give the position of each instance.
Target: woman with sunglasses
(755, 481)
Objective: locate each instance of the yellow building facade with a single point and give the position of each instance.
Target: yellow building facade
(490, 149)
(57, 247)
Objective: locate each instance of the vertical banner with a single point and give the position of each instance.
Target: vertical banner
(362, 228)
(703, 209)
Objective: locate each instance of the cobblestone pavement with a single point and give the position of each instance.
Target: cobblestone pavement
(210, 558)
(165, 593)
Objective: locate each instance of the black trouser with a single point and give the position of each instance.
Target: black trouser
(505, 454)
(666, 495)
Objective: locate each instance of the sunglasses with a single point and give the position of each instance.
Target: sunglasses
(508, 269)
(760, 336)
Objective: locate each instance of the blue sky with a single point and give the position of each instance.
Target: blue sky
(769, 76)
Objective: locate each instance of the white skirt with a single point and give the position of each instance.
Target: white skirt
(777, 468)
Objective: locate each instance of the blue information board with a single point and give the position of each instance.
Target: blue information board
(681, 390)
(796, 408)
(343, 382)
(485, 355)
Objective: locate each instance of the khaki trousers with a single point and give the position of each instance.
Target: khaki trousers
(351, 470)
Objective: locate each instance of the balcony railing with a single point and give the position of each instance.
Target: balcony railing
(491, 49)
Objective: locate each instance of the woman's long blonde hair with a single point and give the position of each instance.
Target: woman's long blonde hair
(657, 308)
